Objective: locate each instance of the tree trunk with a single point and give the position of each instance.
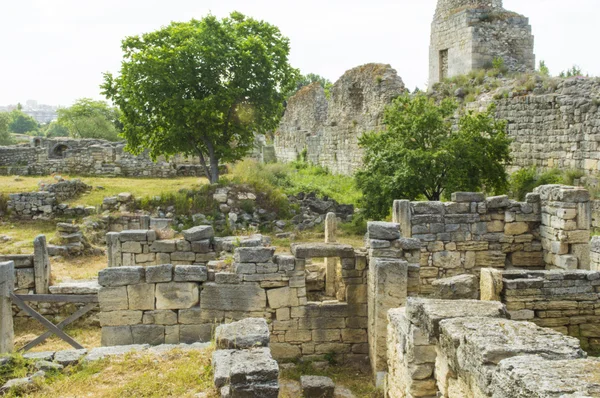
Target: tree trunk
(214, 169)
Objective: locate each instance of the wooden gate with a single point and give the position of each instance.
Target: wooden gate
(21, 301)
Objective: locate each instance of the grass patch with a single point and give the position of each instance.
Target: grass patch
(173, 374)
(359, 381)
(86, 332)
(22, 234)
(139, 187)
(527, 179)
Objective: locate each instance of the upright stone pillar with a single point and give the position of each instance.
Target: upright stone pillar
(7, 284)
(387, 289)
(330, 263)
(41, 265)
(401, 215)
(113, 249)
(144, 222)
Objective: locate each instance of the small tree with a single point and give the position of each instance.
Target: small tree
(543, 69)
(202, 88)
(21, 123)
(87, 118)
(419, 154)
(5, 137)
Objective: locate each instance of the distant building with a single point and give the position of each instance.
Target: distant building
(41, 113)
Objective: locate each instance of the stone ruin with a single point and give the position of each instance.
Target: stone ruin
(467, 35)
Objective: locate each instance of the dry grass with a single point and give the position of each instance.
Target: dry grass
(77, 268)
(174, 374)
(283, 244)
(83, 331)
(22, 234)
(139, 187)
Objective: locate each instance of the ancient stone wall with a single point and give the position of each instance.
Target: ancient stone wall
(182, 303)
(566, 301)
(467, 348)
(89, 157)
(32, 205)
(329, 128)
(469, 34)
(595, 253)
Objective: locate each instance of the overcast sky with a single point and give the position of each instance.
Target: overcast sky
(55, 51)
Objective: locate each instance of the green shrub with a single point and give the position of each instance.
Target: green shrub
(527, 179)
(569, 176)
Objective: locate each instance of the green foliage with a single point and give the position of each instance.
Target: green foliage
(527, 179)
(574, 71)
(5, 137)
(306, 80)
(358, 226)
(543, 70)
(202, 88)
(56, 129)
(89, 119)
(498, 64)
(419, 154)
(569, 176)
(21, 123)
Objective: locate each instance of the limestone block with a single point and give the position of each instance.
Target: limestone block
(446, 259)
(120, 318)
(176, 295)
(190, 273)
(282, 297)
(134, 235)
(120, 276)
(246, 297)
(131, 247)
(383, 230)
(116, 335)
(159, 273)
(113, 298)
(490, 259)
(253, 254)
(159, 317)
(172, 334)
(201, 246)
(189, 334)
(183, 256)
(163, 246)
(148, 334)
(247, 333)
(527, 259)
(496, 202)
(199, 233)
(253, 373)
(456, 288)
(490, 284)
(25, 278)
(317, 387)
(467, 197)
(141, 296)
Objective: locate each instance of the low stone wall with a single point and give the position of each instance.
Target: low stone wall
(595, 253)
(66, 189)
(31, 205)
(466, 348)
(566, 301)
(32, 271)
(177, 303)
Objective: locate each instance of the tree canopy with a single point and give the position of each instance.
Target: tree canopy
(21, 123)
(5, 137)
(305, 80)
(202, 88)
(419, 155)
(89, 119)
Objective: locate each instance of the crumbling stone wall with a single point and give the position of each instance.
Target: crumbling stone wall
(90, 157)
(31, 205)
(180, 303)
(469, 34)
(467, 348)
(566, 301)
(329, 128)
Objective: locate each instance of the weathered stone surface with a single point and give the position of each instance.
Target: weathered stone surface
(141, 296)
(456, 288)
(201, 232)
(176, 295)
(96, 354)
(190, 273)
(247, 333)
(317, 386)
(148, 334)
(247, 297)
(468, 197)
(120, 318)
(163, 246)
(195, 333)
(116, 335)
(253, 254)
(490, 284)
(69, 357)
(530, 376)
(282, 297)
(113, 298)
(159, 273)
(120, 276)
(320, 250)
(138, 235)
(255, 371)
(496, 202)
(160, 317)
(383, 230)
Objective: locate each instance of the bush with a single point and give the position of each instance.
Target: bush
(526, 180)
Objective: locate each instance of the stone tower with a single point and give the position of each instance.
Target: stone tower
(469, 34)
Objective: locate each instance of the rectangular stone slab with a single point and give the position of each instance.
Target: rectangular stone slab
(320, 250)
(233, 297)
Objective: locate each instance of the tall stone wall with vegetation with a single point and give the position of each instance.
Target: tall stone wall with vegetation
(326, 130)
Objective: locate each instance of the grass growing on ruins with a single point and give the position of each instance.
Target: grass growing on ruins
(173, 374)
(139, 187)
(22, 233)
(359, 381)
(76, 268)
(84, 331)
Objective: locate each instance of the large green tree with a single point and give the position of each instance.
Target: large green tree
(419, 154)
(305, 80)
(5, 137)
(87, 118)
(202, 88)
(21, 123)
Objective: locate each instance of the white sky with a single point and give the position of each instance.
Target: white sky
(55, 51)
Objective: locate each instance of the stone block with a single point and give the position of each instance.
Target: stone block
(141, 296)
(245, 297)
(190, 273)
(317, 387)
(456, 288)
(253, 254)
(467, 197)
(163, 246)
(120, 318)
(497, 202)
(120, 276)
(160, 317)
(247, 333)
(490, 284)
(176, 295)
(116, 335)
(148, 334)
(134, 235)
(516, 228)
(159, 273)
(199, 233)
(131, 247)
(183, 256)
(189, 334)
(201, 246)
(383, 230)
(321, 250)
(446, 259)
